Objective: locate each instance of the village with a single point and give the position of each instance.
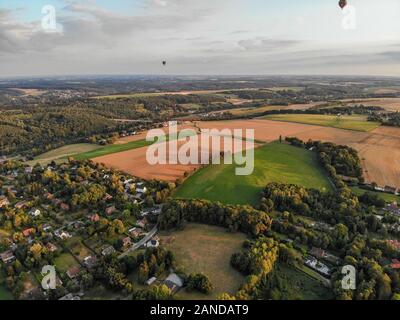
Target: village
(105, 214)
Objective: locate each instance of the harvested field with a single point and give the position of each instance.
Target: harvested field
(352, 122)
(142, 135)
(246, 112)
(134, 161)
(390, 104)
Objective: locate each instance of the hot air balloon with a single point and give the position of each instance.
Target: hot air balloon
(164, 63)
(342, 3)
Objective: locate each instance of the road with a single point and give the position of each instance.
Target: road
(137, 245)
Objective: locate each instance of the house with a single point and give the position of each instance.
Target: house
(153, 243)
(63, 235)
(46, 227)
(28, 169)
(107, 250)
(48, 195)
(21, 205)
(394, 243)
(51, 247)
(70, 296)
(7, 256)
(94, 217)
(393, 206)
(318, 266)
(395, 264)
(126, 242)
(110, 210)
(64, 206)
(34, 213)
(135, 232)
(390, 189)
(90, 261)
(173, 282)
(317, 252)
(13, 246)
(141, 191)
(107, 197)
(156, 211)
(77, 224)
(4, 202)
(73, 272)
(141, 223)
(151, 281)
(128, 181)
(28, 232)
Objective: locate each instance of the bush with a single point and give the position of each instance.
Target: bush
(199, 282)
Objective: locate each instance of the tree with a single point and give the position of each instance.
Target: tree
(199, 282)
(143, 274)
(36, 251)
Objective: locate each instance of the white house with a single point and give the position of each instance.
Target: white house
(153, 243)
(35, 212)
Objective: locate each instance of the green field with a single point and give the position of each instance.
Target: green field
(273, 162)
(207, 249)
(297, 285)
(131, 95)
(383, 195)
(5, 294)
(65, 261)
(112, 148)
(354, 122)
(115, 148)
(64, 152)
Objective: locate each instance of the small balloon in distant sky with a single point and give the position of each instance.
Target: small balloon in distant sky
(342, 3)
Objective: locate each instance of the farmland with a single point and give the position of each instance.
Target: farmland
(130, 156)
(274, 162)
(64, 152)
(382, 141)
(354, 122)
(207, 249)
(385, 196)
(300, 286)
(65, 261)
(112, 148)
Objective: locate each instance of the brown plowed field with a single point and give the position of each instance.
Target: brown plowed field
(135, 162)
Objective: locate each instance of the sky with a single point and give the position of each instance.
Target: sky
(200, 37)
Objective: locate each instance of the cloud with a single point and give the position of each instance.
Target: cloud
(207, 36)
(261, 44)
(162, 3)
